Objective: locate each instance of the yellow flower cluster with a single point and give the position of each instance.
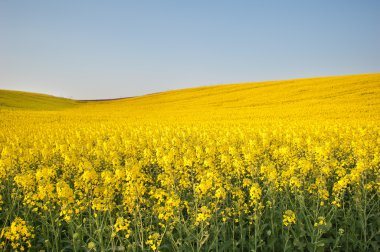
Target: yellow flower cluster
(203, 215)
(153, 241)
(122, 225)
(321, 222)
(255, 193)
(19, 235)
(289, 218)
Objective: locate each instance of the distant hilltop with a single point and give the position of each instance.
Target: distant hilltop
(328, 97)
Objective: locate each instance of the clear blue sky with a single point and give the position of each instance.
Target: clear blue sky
(102, 49)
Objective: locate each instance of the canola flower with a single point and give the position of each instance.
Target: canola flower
(19, 235)
(289, 218)
(321, 222)
(122, 225)
(136, 176)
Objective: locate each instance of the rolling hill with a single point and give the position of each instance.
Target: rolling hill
(341, 97)
(10, 99)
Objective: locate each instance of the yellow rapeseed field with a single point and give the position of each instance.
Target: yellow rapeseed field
(273, 166)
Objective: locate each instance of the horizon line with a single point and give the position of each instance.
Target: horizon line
(194, 87)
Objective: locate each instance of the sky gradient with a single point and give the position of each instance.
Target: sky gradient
(107, 49)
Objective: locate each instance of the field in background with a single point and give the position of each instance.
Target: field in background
(345, 97)
(15, 100)
(271, 166)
